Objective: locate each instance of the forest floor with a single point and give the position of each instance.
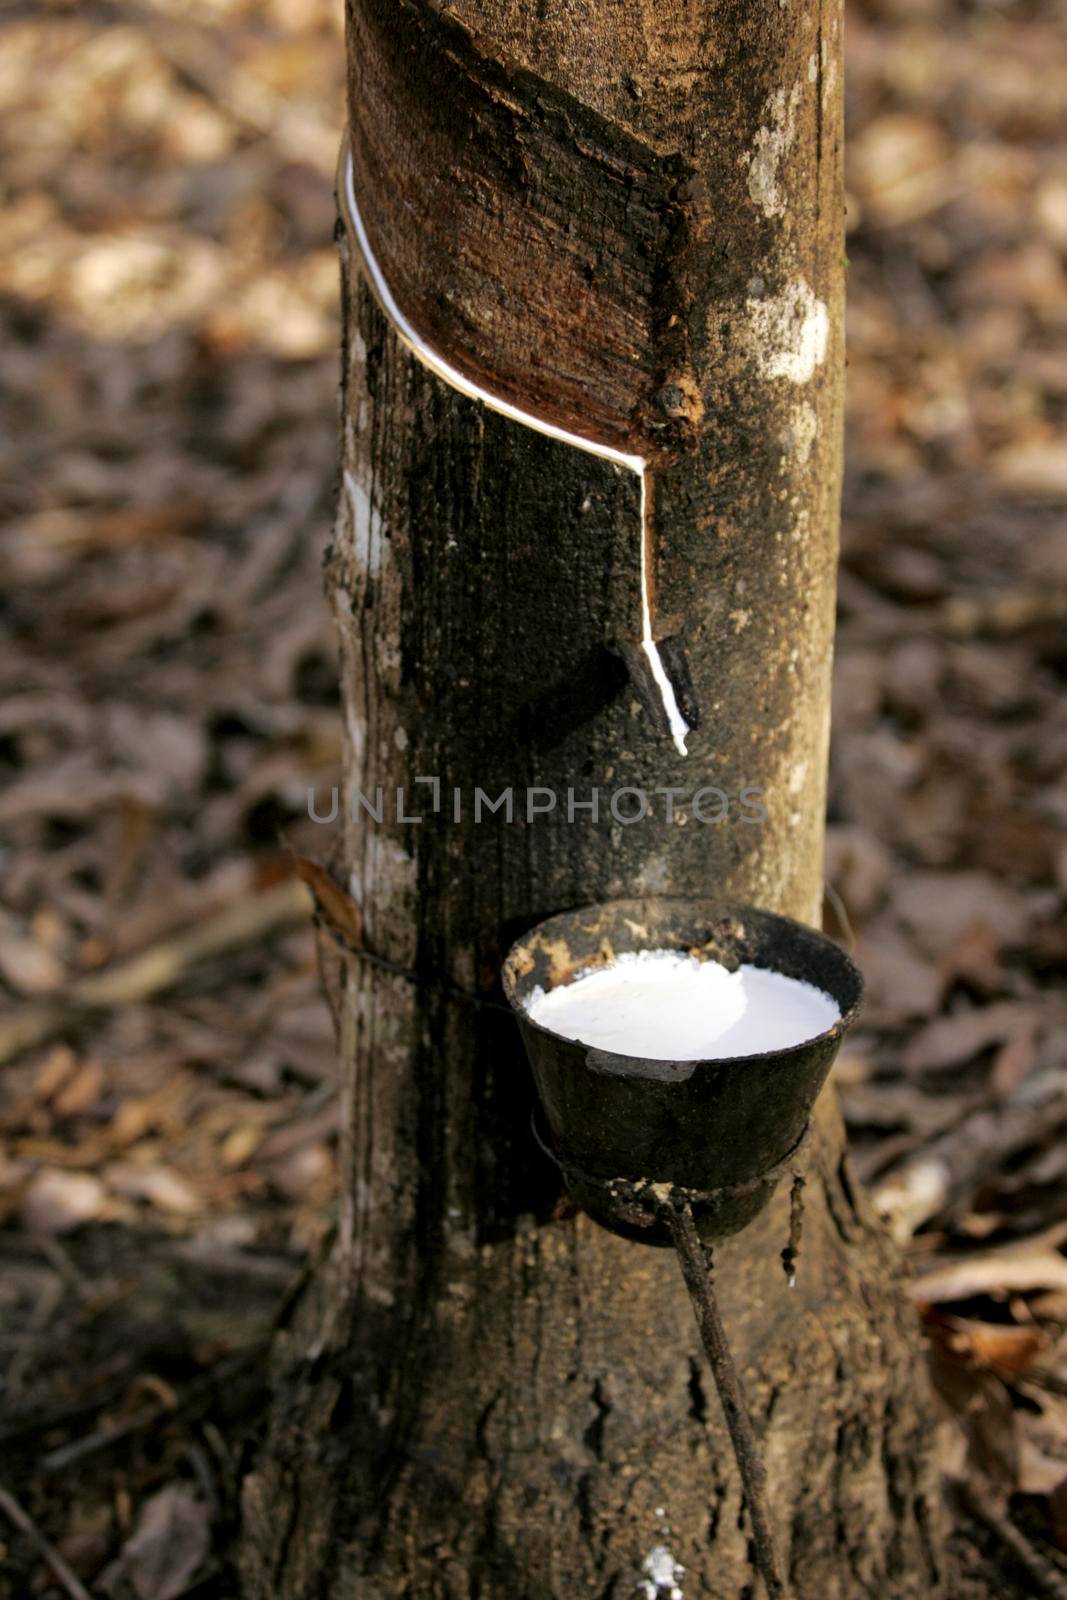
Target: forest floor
(168, 296)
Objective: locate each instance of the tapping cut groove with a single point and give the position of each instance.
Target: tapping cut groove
(677, 724)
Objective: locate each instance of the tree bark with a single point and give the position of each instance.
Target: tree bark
(486, 1395)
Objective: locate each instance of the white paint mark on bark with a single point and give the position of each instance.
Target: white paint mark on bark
(772, 141)
(366, 526)
(655, 876)
(663, 1575)
(430, 358)
(805, 421)
(401, 862)
(790, 331)
(797, 775)
(357, 736)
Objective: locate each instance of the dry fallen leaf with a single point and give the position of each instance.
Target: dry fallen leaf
(57, 1201)
(950, 1041)
(28, 967)
(940, 907)
(911, 1196)
(58, 1066)
(1009, 1348)
(82, 1092)
(982, 1405)
(166, 1549)
(1020, 1267)
(301, 1171)
(901, 983)
(1039, 1473)
(161, 1186)
(240, 1144)
(859, 867)
(1036, 467)
(336, 907)
(1042, 1435)
(900, 168)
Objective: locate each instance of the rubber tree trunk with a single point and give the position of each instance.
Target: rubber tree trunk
(627, 217)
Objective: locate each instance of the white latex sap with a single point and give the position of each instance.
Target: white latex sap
(665, 1005)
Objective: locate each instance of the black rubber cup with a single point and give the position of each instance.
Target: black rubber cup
(626, 1129)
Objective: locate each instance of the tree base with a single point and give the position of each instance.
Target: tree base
(553, 1433)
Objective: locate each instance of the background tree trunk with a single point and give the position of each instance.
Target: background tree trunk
(487, 1395)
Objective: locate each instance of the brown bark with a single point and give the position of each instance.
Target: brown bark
(486, 1395)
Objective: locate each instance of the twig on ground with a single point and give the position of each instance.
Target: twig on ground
(255, 917)
(48, 1300)
(198, 1393)
(1045, 1574)
(929, 1182)
(21, 1520)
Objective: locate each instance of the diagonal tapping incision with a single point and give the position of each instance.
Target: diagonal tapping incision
(677, 724)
